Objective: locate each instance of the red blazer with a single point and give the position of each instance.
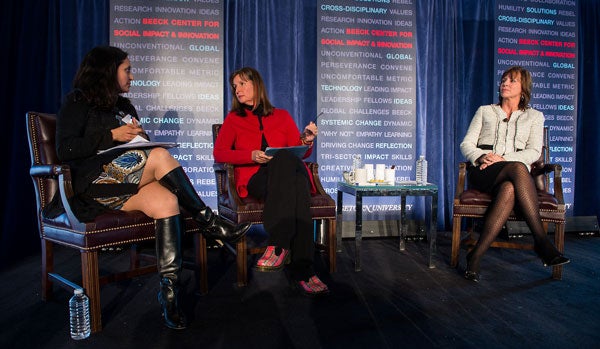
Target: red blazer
(240, 135)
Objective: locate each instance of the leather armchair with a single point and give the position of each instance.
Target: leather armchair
(114, 228)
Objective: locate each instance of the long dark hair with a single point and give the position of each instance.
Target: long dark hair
(96, 78)
(262, 106)
(526, 85)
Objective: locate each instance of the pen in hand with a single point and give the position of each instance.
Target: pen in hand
(307, 131)
(316, 117)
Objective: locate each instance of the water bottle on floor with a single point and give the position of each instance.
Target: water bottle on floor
(79, 314)
(421, 171)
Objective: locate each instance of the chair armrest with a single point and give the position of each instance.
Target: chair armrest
(540, 168)
(225, 177)
(541, 174)
(314, 169)
(558, 189)
(45, 170)
(62, 173)
(460, 181)
(65, 188)
(556, 168)
(220, 167)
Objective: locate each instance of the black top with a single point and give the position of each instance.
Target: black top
(81, 131)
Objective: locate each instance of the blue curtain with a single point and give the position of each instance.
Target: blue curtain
(278, 38)
(587, 174)
(454, 49)
(46, 39)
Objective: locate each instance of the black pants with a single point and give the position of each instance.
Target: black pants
(284, 186)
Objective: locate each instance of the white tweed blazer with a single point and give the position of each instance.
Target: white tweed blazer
(518, 139)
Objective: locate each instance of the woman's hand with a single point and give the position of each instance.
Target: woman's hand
(310, 133)
(260, 157)
(126, 132)
(488, 159)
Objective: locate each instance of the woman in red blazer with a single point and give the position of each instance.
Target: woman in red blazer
(282, 181)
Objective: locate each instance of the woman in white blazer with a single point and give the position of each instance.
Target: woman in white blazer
(502, 141)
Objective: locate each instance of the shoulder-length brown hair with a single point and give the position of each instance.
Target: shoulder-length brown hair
(262, 105)
(526, 85)
(96, 77)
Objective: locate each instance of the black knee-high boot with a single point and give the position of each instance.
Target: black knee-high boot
(214, 226)
(168, 255)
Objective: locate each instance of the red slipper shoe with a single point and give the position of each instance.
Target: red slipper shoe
(313, 287)
(271, 261)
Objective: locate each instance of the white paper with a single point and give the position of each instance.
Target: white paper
(127, 119)
(138, 139)
(140, 142)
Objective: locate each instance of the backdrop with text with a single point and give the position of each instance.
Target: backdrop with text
(544, 40)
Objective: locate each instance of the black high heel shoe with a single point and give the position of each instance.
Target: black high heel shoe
(549, 255)
(470, 274)
(556, 260)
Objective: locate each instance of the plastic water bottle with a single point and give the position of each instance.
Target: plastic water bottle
(421, 170)
(356, 162)
(79, 314)
(424, 171)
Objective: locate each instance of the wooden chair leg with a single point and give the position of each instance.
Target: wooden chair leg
(242, 262)
(332, 242)
(456, 226)
(134, 257)
(47, 268)
(201, 261)
(91, 285)
(559, 242)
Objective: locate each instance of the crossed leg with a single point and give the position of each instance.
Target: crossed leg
(152, 198)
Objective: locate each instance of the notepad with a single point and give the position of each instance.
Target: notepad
(138, 143)
(298, 150)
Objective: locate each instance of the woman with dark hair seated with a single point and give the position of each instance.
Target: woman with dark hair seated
(94, 117)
